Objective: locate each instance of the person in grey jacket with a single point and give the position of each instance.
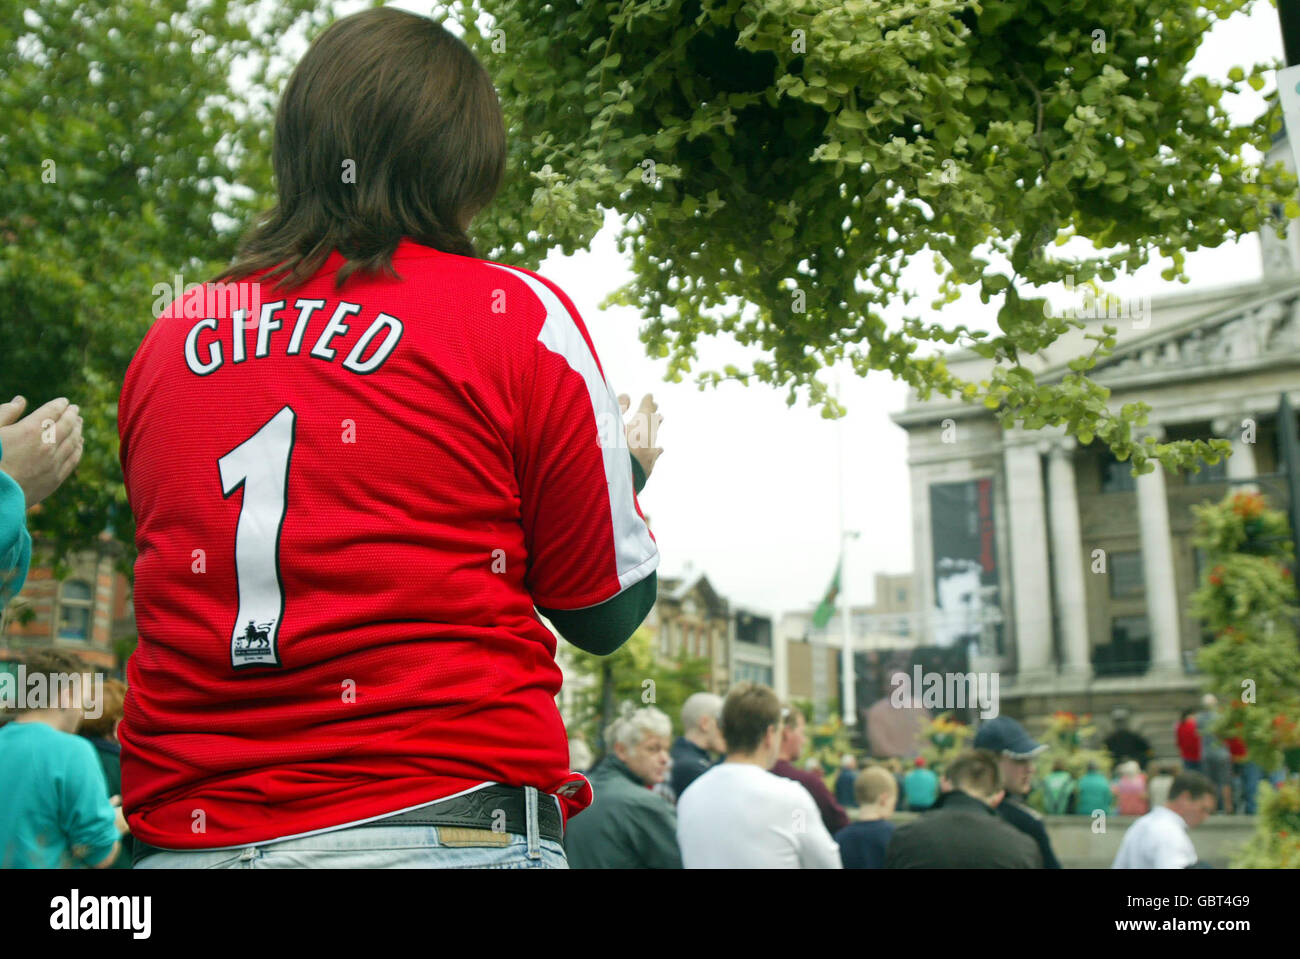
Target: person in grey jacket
(628, 826)
(964, 830)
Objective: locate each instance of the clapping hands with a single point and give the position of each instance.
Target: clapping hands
(42, 449)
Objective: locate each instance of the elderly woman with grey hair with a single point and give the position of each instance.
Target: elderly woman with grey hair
(628, 826)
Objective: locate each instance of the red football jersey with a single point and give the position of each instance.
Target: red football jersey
(347, 504)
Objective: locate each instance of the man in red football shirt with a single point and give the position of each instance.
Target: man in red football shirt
(360, 463)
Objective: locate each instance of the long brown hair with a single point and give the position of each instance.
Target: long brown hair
(406, 109)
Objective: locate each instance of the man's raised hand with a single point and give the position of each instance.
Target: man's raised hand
(643, 430)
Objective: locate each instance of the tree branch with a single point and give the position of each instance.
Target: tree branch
(1038, 100)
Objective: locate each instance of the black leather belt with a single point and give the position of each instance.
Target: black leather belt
(500, 809)
(495, 808)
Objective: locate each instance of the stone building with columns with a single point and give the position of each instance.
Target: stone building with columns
(1048, 559)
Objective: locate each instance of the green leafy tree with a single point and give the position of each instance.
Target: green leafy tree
(1275, 843)
(775, 164)
(122, 137)
(1247, 598)
(629, 678)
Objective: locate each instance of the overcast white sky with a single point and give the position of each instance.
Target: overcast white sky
(747, 489)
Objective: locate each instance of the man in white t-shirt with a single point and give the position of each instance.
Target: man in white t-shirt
(740, 816)
(1159, 839)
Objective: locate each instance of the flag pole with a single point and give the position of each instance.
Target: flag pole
(847, 705)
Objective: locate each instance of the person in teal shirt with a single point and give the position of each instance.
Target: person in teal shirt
(921, 787)
(15, 541)
(55, 810)
(1057, 790)
(1093, 793)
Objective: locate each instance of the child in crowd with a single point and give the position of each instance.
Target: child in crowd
(863, 844)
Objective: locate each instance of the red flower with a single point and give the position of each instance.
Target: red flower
(1247, 505)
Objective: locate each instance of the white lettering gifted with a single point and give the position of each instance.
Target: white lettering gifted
(205, 343)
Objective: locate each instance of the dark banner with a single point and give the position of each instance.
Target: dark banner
(968, 609)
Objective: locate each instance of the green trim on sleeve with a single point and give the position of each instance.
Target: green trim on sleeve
(638, 475)
(603, 628)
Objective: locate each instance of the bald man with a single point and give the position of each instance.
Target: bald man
(690, 753)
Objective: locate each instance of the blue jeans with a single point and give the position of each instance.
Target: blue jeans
(380, 847)
(1249, 775)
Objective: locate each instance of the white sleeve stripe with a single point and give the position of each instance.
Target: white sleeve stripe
(636, 555)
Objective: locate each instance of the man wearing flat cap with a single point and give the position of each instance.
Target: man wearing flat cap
(1016, 749)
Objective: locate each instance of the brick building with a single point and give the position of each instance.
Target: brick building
(88, 612)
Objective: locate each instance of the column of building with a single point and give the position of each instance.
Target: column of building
(1031, 588)
(1240, 430)
(1068, 559)
(1034, 512)
(1158, 567)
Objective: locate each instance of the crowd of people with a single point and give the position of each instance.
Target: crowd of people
(663, 806)
(727, 793)
(1140, 783)
(660, 802)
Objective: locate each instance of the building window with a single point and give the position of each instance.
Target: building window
(752, 673)
(666, 639)
(1201, 562)
(1129, 650)
(756, 630)
(1126, 575)
(75, 604)
(1116, 477)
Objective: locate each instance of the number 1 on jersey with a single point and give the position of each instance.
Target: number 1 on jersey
(260, 465)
